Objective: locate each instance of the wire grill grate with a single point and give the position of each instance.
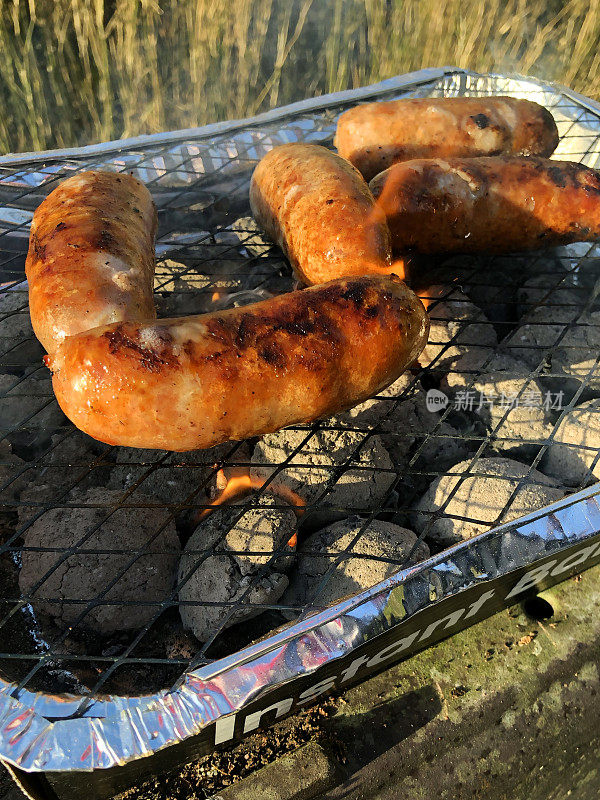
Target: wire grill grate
(207, 257)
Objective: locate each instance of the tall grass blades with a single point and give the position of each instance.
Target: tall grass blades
(78, 71)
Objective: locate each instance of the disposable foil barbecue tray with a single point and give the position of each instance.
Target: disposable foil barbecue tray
(72, 701)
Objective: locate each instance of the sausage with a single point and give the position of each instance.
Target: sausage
(193, 382)
(499, 204)
(376, 135)
(91, 256)
(318, 209)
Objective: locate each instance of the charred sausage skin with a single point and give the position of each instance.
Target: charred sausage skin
(319, 210)
(91, 256)
(374, 136)
(192, 382)
(488, 205)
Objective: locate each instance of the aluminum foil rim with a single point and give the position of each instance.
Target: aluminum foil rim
(116, 729)
(389, 85)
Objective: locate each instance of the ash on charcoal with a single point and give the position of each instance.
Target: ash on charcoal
(34, 497)
(66, 461)
(480, 499)
(28, 411)
(250, 236)
(533, 340)
(512, 405)
(18, 344)
(15, 322)
(73, 448)
(457, 325)
(172, 276)
(385, 404)
(10, 478)
(400, 411)
(489, 282)
(84, 575)
(564, 300)
(174, 478)
(244, 563)
(444, 445)
(352, 462)
(467, 366)
(560, 332)
(572, 457)
(369, 560)
(404, 419)
(574, 363)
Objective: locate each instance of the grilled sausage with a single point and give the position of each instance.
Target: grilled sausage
(319, 210)
(488, 205)
(91, 256)
(376, 135)
(192, 382)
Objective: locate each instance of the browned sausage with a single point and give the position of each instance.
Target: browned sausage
(192, 382)
(319, 210)
(91, 256)
(376, 135)
(493, 205)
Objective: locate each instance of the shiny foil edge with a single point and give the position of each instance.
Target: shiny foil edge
(116, 729)
(393, 84)
(36, 733)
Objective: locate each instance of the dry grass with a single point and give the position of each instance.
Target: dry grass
(75, 71)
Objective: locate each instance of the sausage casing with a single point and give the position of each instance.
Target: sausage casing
(499, 204)
(91, 256)
(319, 210)
(374, 136)
(192, 382)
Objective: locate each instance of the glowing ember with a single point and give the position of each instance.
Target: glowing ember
(216, 295)
(240, 483)
(293, 541)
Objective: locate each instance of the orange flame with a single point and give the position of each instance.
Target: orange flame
(216, 295)
(376, 217)
(399, 268)
(240, 483)
(427, 301)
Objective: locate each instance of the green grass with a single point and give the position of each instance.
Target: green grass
(78, 71)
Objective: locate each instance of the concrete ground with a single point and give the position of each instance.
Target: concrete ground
(506, 709)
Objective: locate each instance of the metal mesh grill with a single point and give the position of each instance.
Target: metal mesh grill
(210, 255)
